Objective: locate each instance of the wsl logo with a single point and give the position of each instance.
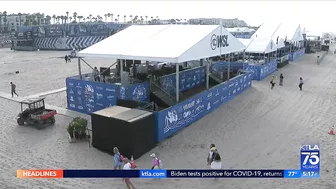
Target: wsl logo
(219, 41)
(310, 157)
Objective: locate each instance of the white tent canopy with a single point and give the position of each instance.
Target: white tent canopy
(289, 32)
(258, 45)
(166, 43)
(245, 42)
(281, 32)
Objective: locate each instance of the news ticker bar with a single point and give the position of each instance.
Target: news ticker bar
(166, 174)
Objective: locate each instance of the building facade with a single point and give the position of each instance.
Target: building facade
(13, 22)
(229, 23)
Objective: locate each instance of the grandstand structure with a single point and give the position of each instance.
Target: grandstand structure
(63, 36)
(78, 35)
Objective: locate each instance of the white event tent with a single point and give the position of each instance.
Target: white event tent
(280, 32)
(166, 43)
(260, 45)
(245, 42)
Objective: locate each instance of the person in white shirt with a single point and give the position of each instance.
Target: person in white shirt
(127, 166)
(210, 154)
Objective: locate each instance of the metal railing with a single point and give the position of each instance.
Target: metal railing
(151, 106)
(156, 86)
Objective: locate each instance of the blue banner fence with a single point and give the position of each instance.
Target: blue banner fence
(219, 67)
(179, 116)
(88, 96)
(261, 71)
(188, 79)
(195, 77)
(297, 54)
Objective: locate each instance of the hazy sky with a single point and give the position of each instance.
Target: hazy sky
(316, 16)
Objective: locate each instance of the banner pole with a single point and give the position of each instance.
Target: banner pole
(177, 82)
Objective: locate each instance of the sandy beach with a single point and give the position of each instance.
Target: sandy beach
(260, 129)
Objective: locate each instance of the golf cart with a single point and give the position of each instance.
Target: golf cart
(33, 112)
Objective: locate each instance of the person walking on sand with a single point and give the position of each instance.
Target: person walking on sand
(301, 83)
(216, 161)
(281, 80)
(13, 89)
(66, 58)
(272, 82)
(210, 154)
(127, 166)
(117, 158)
(157, 163)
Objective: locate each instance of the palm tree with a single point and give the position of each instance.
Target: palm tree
(38, 16)
(141, 19)
(118, 18)
(0, 22)
(111, 17)
(70, 18)
(19, 18)
(131, 18)
(80, 18)
(135, 19)
(90, 17)
(5, 20)
(33, 19)
(99, 18)
(108, 15)
(75, 16)
(105, 15)
(58, 19)
(84, 19)
(26, 20)
(48, 19)
(67, 15)
(54, 18)
(146, 19)
(124, 18)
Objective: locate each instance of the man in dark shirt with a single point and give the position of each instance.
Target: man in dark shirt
(13, 88)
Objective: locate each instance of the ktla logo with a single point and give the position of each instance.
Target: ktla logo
(310, 156)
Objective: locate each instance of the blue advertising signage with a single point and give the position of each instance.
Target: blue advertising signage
(136, 92)
(54, 31)
(188, 79)
(177, 117)
(87, 97)
(297, 54)
(220, 67)
(140, 92)
(262, 71)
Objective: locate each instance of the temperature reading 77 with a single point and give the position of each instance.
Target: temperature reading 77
(291, 173)
(312, 157)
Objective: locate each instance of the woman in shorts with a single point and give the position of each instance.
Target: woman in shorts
(127, 166)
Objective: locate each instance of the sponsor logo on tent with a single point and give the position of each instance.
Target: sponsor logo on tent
(219, 41)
